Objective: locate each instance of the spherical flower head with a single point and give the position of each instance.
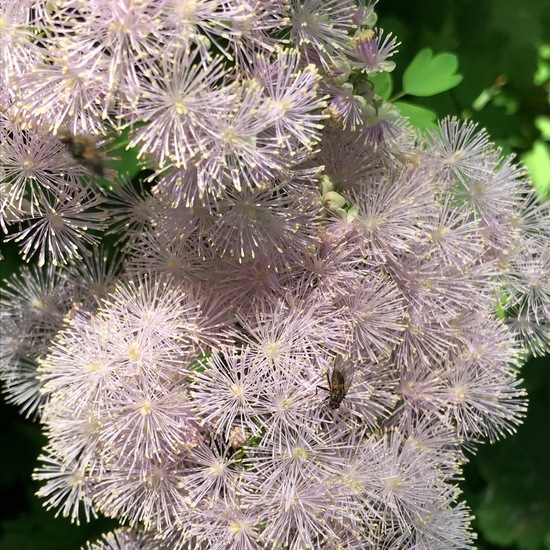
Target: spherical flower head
(176, 96)
(18, 40)
(293, 99)
(372, 51)
(61, 87)
(60, 228)
(33, 306)
(253, 223)
(346, 108)
(32, 161)
(125, 538)
(322, 28)
(129, 368)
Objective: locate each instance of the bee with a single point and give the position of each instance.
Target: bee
(339, 381)
(84, 150)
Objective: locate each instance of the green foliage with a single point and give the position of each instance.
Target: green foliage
(429, 74)
(124, 159)
(383, 85)
(22, 440)
(503, 51)
(419, 117)
(537, 160)
(38, 529)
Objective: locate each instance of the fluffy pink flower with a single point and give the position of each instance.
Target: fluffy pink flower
(295, 339)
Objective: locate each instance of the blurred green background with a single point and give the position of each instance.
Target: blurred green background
(503, 53)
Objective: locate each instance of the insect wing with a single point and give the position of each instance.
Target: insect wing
(340, 380)
(344, 370)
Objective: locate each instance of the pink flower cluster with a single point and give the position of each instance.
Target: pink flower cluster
(290, 243)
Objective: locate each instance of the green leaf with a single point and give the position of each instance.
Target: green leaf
(430, 74)
(125, 160)
(537, 161)
(542, 123)
(383, 85)
(418, 116)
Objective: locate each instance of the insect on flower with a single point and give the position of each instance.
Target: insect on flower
(339, 381)
(84, 150)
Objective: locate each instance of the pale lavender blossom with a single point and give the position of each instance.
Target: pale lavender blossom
(322, 29)
(461, 150)
(261, 222)
(18, 40)
(347, 160)
(293, 100)
(33, 162)
(61, 91)
(333, 269)
(125, 538)
(176, 97)
(372, 50)
(111, 34)
(382, 124)
(480, 379)
(226, 397)
(528, 281)
(392, 211)
(244, 282)
(346, 108)
(238, 31)
(33, 305)
(226, 523)
(61, 226)
(292, 244)
(56, 216)
(532, 220)
(129, 211)
(365, 13)
(532, 330)
(67, 481)
(456, 237)
(374, 311)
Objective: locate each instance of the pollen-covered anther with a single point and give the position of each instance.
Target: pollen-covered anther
(134, 352)
(352, 482)
(240, 527)
(146, 408)
(181, 108)
(272, 350)
(95, 367)
(156, 476)
(237, 391)
(77, 478)
(299, 454)
(460, 394)
(286, 403)
(393, 483)
(217, 469)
